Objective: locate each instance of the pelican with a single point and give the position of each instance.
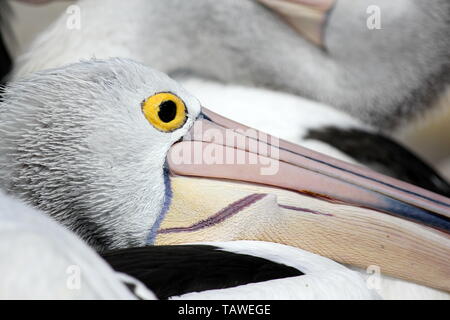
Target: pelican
(108, 148)
(381, 76)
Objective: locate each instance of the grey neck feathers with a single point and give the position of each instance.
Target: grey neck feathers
(74, 143)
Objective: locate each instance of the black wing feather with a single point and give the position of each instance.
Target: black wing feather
(175, 270)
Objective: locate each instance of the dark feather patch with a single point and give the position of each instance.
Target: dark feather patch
(382, 154)
(5, 59)
(176, 270)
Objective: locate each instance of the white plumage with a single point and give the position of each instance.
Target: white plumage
(363, 72)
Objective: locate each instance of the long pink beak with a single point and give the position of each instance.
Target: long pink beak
(270, 161)
(219, 148)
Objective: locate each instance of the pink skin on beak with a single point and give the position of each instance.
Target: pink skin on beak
(286, 165)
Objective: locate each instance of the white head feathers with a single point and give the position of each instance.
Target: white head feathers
(75, 143)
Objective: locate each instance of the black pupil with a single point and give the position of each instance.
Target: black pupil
(167, 111)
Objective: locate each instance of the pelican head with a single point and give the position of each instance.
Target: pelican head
(124, 156)
(78, 142)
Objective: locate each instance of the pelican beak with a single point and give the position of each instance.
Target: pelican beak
(307, 17)
(231, 182)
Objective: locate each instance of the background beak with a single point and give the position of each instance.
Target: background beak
(307, 17)
(359, 215)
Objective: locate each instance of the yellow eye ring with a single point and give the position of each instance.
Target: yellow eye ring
(165, 111)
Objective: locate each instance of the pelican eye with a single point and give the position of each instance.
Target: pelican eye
(165, 111)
